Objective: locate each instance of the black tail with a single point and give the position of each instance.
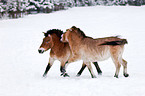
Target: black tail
(114, 43)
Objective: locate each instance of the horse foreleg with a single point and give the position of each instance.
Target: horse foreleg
(98, 68)
(82, 69)
(50, 63)
(62, 70)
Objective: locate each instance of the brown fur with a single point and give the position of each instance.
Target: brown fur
(91, 50)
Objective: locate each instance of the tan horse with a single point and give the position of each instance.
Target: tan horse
(59, 51)
(92, 50)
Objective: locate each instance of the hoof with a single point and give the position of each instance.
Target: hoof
(61, 74)
(65, 75)
(100, 73)
(78, 75)
(126, 75)
(44, 75)
(116, 76)
(94, 77)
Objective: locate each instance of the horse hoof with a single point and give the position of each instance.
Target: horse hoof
(126, 75)
(44, 75)
(78, 75)
(100, 73)
(94, 77)
(61, 74)
(66, 75)
(116, 76)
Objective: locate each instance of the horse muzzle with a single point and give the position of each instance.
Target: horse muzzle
(41, 50)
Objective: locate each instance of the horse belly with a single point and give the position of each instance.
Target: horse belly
(98, 56)
(103, 56)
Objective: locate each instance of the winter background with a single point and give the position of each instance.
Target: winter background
(22, 67)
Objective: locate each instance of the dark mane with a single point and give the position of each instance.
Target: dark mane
(54, 31)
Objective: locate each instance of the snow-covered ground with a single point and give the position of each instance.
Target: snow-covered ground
(22, 67)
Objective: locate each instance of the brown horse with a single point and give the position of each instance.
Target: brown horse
(59, 51)
(92, 50)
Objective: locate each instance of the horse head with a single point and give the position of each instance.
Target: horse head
(48, 41)
(46, 44)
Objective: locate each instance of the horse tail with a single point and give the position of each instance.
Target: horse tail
(114, 43)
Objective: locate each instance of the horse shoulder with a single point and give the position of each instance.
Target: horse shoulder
(63, 50)
(52, 54)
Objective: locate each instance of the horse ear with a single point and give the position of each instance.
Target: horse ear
(49, 35)
(70, 29)
(44, 34)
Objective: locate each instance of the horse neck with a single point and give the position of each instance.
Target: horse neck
(74, 40)
(75, 37)
(56, 43)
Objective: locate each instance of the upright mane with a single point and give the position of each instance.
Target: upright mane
(79, 31)
(54, 31)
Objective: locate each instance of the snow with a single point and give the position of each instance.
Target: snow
(22, 67)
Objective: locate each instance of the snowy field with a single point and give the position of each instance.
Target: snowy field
(22, 67)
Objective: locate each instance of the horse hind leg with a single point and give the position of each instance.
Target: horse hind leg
(90, 69)
(124, 63)
(117, 65)
(82, 69)
(116, 55)
(84, 66)
(97, 68)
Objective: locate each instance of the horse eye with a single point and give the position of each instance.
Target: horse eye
(47, 42)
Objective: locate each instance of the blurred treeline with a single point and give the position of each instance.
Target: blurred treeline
(19, 8)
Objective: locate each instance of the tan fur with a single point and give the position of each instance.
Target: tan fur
(91, 50)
